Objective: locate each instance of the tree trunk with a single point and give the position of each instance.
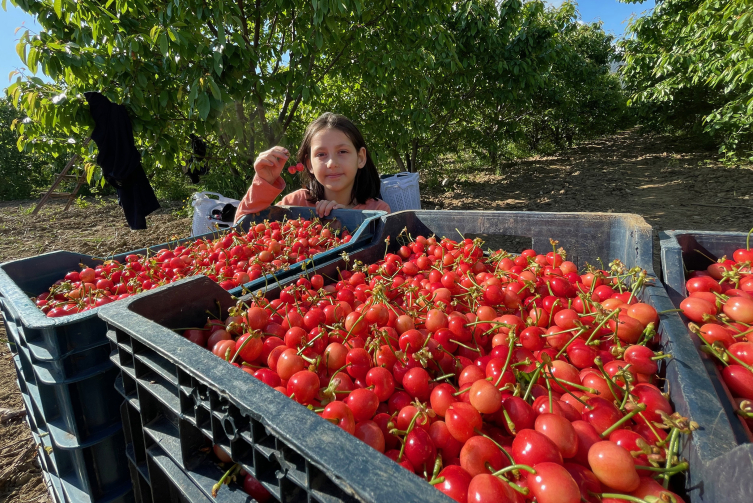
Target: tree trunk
(398, 159)
(408, 165)
(414, 157)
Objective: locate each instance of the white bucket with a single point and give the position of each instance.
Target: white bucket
(401, 192)
(203, 205)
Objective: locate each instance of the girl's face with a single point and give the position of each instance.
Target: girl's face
(334, 163)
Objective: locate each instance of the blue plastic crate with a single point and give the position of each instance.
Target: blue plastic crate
(587, 237)
(185, 407)
(51, 339)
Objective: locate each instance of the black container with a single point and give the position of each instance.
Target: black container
(95, 473)
(182, 385)
(695, 250)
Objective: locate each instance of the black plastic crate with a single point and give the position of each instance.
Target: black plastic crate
(156, 476)
(174, 378)
(683, 251)
(79, 411)
(286, 446)
(97, 473)
(55, 338)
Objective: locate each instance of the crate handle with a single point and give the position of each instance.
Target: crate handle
(228, 424)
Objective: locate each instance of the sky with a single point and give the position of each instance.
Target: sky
(613, 13)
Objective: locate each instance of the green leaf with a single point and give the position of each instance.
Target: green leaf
(221, 33)
(203, 105)
(171, 34)
(218, 65)
(163, 44)
(194, 92)
(31, 60)
(163, 98)
(58, 5)
(215, 89)
(142, 80)
(21, 50)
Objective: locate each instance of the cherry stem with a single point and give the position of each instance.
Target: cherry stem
(675, 469)
(670, 311)
(522, 490)
(243, 345)
(509, 456)
(674, 439)
(410, 428)
(620, 422)
(614, 313)
(747, 240)
(534, 378)
(661, 356)
(476, 350)
(625, 497)
(740, 362)
(510, 423)
(650, 425)
(564, 348)
(610, 383)
(224, 480)
(569, 392)
(514, 467)
(464, 390)
(436, 481)
(507, 361)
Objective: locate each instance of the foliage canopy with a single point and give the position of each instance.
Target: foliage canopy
(421, 77)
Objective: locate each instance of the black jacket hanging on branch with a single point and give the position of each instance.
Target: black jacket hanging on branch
(120, 160)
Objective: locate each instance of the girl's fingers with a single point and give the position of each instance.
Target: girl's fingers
(278, 155)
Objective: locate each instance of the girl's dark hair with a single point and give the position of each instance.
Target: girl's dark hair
(366, 184)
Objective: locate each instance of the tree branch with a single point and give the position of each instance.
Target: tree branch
(209, 21)
(257, 25)
(244, 30)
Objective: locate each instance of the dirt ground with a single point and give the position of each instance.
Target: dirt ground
(670, 181)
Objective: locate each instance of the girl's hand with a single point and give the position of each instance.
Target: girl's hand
(269, 164)
(323, 208)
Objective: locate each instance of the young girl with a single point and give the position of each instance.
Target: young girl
(338, 172)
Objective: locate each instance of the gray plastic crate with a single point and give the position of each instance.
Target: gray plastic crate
(183, 381)
(680, 253)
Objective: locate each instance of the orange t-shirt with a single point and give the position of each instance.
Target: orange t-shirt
(261, 193)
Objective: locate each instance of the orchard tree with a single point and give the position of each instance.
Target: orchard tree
(234, 72)
(417, 113)
(578, 96)
(21, 172)
(689, 64)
